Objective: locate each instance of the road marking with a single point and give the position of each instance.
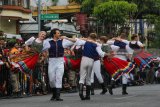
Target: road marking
(125, 97)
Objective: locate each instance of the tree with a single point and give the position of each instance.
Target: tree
(88, 5)
(155, 21)
(109, 12)
(150, 10)
(133, 9)
(114, 12)
(147, 6)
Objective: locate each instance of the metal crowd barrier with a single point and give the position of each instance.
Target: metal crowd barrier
(19, 84)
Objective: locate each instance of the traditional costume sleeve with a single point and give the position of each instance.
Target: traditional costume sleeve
(125, 41)
(79, 42)
(66, 43)
(100, 52)
(129, 50)
(115, 48)
(46, 45)
(139, 43)
(30, 41)
(110, 42)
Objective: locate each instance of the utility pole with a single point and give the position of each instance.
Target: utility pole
(39, 15)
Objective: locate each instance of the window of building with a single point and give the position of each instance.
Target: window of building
(10, 2)
(13, 2)
(1, 2)
(26, 3)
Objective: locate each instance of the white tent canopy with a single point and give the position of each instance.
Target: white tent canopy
(13, 35)
(63, 26)
(29, 28)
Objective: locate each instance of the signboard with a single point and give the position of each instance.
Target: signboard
(49, 16)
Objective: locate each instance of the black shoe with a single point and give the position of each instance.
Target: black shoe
(53, 94)
(124, 93)
(124, 88)
(59, 99)
(92, 88)
(88, 89)
(52, 98)
(58, 95)
(81, 91)
(104, 89)
(110, 90)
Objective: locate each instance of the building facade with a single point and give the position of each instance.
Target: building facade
(11, 12)
(64, 8)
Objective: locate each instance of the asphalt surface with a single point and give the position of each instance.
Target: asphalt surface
(139, 96)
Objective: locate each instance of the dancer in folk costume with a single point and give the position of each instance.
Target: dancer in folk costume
(90, 51)
(29, 57)
(138, 54)
(121, 62)
(55, 49)
(97, 70)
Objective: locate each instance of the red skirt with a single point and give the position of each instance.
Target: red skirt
(116, 67)
(71, 62)
(143, 59)
(24, 61)
(28, 64)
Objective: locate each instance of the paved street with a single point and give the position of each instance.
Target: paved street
(139, 96)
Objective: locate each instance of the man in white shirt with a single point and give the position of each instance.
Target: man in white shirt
(55, 49)
(90, 52)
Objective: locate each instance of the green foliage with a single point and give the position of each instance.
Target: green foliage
(154, 20)
(118, 12)
(156, 43)
(151, 19)
(115, 12)
(146, 7)
(88, 5)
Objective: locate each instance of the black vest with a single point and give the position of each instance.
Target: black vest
(90, 50)
(134, 46)
(56, 49)
(122, 45)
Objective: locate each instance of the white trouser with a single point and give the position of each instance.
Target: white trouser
(125, 78)
(97, 70)
(55, 72)
(86, 70)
